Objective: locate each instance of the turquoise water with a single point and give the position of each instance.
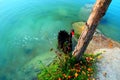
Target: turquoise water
(110, 24)
(29, 29)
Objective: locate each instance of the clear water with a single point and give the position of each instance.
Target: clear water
(28, 28)
(110, 24)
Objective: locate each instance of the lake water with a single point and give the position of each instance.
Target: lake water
(28, 28)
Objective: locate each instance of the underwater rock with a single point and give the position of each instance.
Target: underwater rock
(28, 51)
(78, 27)
(35, 78)
(3, 77)
(88, 6)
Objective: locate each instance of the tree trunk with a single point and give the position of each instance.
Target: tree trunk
(97, 13)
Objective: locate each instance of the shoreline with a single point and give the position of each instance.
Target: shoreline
(98, 41)
(107, 65)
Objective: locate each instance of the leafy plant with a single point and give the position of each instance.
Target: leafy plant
(66, 67)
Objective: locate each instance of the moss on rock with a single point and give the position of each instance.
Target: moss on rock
(78, 27)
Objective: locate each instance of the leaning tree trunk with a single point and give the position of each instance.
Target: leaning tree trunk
(97, 13)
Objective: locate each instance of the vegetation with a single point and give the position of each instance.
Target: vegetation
(65, 67)
(77, 35)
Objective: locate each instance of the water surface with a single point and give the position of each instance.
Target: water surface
(29, 29)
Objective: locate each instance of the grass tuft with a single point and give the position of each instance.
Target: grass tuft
(66, 67)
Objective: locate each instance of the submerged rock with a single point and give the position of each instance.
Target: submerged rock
(98, 41)
(78, 27)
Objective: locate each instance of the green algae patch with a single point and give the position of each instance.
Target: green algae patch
(78, 27)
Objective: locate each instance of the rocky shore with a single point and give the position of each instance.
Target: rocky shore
(99, 40)
(108, 66)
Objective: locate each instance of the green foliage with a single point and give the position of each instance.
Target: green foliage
(67, 68)
(77, 35)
